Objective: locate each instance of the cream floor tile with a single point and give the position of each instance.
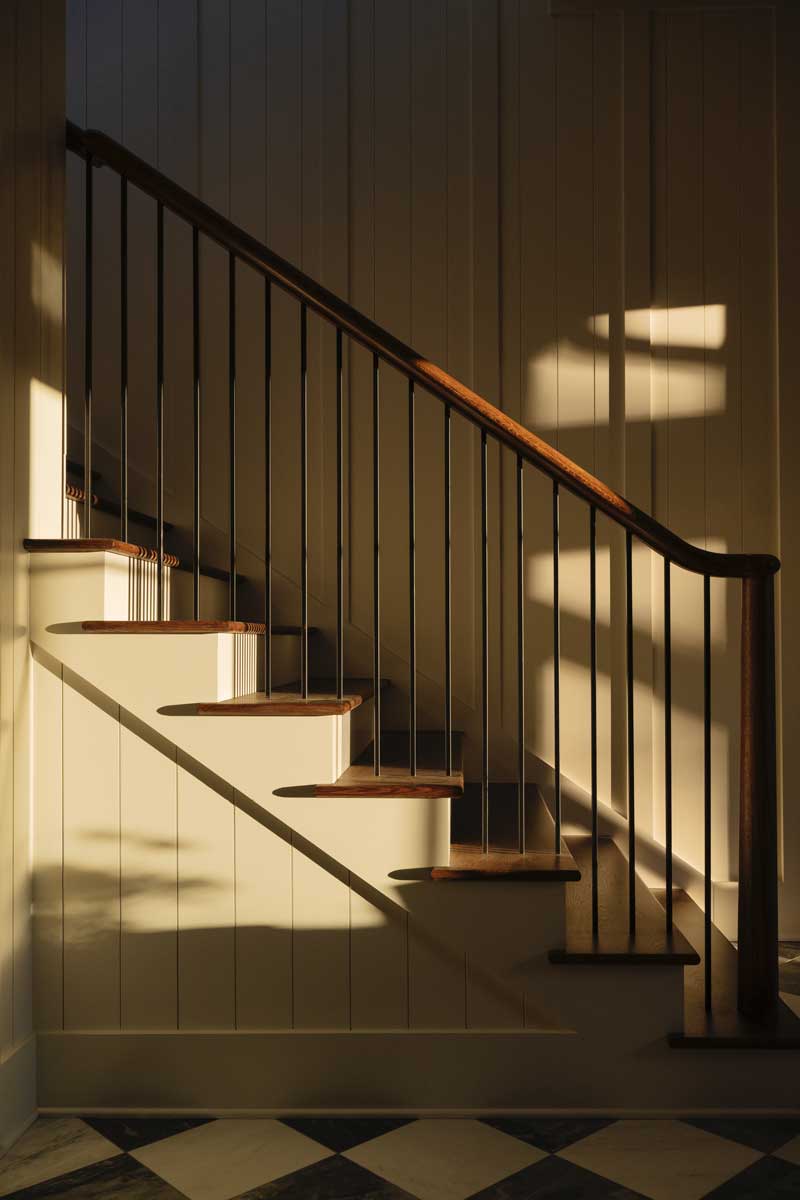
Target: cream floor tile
(228, 1157)
(52, 1146)
(791, 1151)
(792, 1002)
(444, 1160)
(665, 1160)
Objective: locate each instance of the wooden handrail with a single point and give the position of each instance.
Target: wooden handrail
(103, 149)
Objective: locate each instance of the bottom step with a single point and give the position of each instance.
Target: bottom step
(724, 1028)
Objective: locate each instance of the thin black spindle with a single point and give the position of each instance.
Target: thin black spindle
(267, 488)
(232, 434)
(484, 645)
(707, 782)
(630, 734)
(668, 738)
(448, 606)
(339, 519)
(376, 566)
(520, 659)
(160, 408)
(88, 329)
(556, 671)
(412, 591)
(195, 423)
(593, 706)
(304, 500)
(123, 359)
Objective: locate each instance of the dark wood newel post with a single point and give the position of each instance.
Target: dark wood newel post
(758, 813)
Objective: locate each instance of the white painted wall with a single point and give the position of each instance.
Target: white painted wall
(31, 389)
(581, 225)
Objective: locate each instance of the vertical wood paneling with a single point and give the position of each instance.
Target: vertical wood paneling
(378, 965)
(263, 926)
(91, 859)
(48, 894)
(206, 905)
(148, 867)
(321, 946)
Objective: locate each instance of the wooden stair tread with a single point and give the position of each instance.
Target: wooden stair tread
(193, 627)
(95, 545)
(286, 700)
(651, 945)
(431, 779)
(724, 1028)
(539, 864)
(107, 504)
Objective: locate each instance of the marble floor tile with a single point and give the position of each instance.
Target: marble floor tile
(768, 1179)
(444, 1159)
(792, 1002)
(762, 1133)
(556, 1179)
(224, 1158)
(342, 1133)
(119, 1178)
(664, 1160)
(52, 1146)
(790, 1151)
(548, 1133)
(334, 1178)
(131, 1132)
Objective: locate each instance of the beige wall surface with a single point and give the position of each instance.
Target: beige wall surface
(580, 216)
(31, 389)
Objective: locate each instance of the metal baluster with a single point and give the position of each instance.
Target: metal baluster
(339, 519)
(88, 319)
(593, 706)
(376, 567)
(484, 646)
(631, 746)
(668, 737)
(412, 592)
(267, 488)
(520, 659)
(707, 781)
(556, 671)
(448, 580)
(123, 360)
(196, 423)
(304, 500)
(160, 409)
(232, 432)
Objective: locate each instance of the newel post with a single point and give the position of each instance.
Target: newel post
(758, 813)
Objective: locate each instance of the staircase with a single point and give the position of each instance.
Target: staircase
(569, 963)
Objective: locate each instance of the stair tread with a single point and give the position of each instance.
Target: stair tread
(650, 945)
(540, 863)
(95, 545)
(107, 504)
(193, 627)
(286, 700)
(724, 1027)
(395, 779)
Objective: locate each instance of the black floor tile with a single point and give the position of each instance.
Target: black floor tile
(129, 1133)
(119, 1178)
(762, 1133)
(556, 1179)
(342, 1133)
(768, 1179)
(549, 1133)
(332, 1179)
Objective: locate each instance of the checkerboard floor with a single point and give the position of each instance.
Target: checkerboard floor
(351, 1158)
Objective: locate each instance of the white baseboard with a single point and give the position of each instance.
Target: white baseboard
(419, 1073)
(17, 1092)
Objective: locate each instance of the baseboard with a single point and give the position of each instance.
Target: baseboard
(230, 1073)
(17, 1092)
